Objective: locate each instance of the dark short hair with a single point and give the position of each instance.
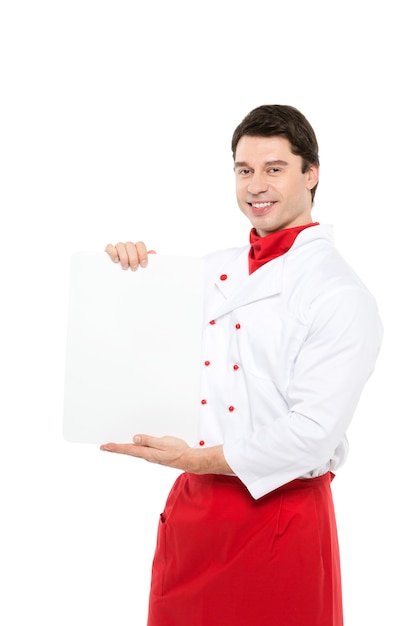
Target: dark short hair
(271, 120)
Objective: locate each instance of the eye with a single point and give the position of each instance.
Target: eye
(243, 171)
(274, 170)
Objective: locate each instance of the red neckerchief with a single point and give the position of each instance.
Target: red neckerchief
(264, 249)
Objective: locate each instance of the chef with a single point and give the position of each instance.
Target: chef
(290, 336)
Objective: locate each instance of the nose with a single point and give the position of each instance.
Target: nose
(258, 183)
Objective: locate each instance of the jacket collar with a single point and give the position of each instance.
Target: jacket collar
(241, 288)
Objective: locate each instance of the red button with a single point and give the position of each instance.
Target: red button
(201, 443)
(231, 409)
(203, 401)
(223, 277)
(206, 363)
(235, 367)
(236, 326)
(212, 322)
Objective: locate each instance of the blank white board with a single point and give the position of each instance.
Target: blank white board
(133, 349)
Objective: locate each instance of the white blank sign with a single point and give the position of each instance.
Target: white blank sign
(133, 349)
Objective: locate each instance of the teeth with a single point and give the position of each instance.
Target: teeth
(260, 205)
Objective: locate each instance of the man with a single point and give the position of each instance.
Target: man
(291, 335)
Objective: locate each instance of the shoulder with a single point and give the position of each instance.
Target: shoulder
(319, 281)
(315, 261)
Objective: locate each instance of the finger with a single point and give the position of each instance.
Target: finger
(142, 253)
(131, 449)
(149, 441)
(121, 448)
(123, 255)
(133, 257)
(112, 252)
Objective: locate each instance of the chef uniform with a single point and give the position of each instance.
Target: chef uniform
(290, 337)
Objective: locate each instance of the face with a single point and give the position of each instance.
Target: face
(271, 189)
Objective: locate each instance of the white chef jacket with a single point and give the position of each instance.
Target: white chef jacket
(286, 352)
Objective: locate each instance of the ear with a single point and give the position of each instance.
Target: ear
(312, 176)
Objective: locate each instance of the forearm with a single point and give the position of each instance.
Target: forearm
(206, 461)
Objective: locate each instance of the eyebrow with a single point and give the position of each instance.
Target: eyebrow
(267, 163)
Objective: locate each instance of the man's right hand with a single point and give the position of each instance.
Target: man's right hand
(129, 254)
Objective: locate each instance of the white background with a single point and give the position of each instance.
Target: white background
(116, 119)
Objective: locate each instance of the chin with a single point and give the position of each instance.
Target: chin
(266, 228)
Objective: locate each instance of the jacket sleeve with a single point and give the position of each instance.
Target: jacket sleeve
(338, 355)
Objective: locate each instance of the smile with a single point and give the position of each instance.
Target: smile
(260, 208)
(261, 205)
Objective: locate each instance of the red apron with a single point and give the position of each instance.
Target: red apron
(225, 559)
